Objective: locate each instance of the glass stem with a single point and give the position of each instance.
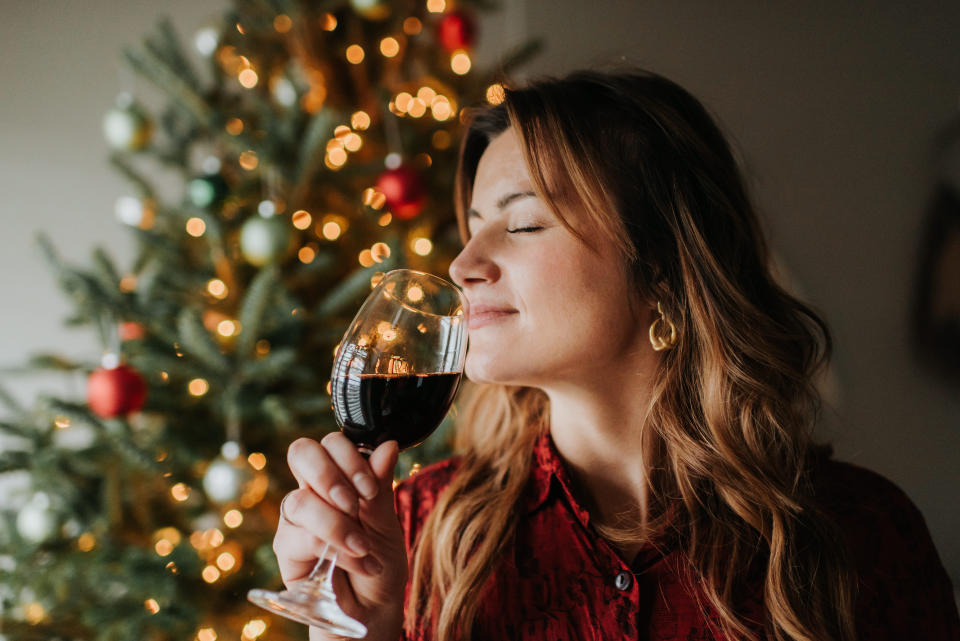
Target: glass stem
(320, 581)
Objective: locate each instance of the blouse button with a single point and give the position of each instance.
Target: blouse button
(623, 581)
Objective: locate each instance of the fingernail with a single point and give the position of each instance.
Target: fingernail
(372, 566)
(365, 485)
(341, 496)
(356, 543)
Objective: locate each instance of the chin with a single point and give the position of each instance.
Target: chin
(493, 371)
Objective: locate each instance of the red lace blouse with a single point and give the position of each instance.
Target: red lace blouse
(562, 581)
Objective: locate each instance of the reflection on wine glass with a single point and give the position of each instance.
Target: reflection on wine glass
(394, 376)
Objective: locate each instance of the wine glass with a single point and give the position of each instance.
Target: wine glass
(394, 376)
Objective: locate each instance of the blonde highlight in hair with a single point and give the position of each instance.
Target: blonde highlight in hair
(728, 445)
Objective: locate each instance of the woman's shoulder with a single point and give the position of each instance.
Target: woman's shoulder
(905, 591)
(862, 499)
(415, 496)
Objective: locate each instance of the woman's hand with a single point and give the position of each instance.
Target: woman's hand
(346, 500)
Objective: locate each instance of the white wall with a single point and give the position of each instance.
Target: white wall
(832, 107)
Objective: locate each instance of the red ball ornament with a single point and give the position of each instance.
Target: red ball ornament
(457, 30)
(404, 191)
(115, 392)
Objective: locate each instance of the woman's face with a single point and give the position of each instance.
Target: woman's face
(544, 307)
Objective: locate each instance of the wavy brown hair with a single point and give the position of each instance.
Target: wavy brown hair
(728, 444)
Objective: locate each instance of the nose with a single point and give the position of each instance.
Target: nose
(473, 265)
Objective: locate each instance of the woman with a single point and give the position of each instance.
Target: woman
(636, 459)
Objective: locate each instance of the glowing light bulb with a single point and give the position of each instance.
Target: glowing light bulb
(257, 460)
(233, 518)
(180, 492)
(198, 387)
(422, 246)
(210, 574)
(355, 54)
(402, 101)
(217, 288)
(495, 94)
(460, 63)
(301, 219)
(248, 78)
(360, 120)
(389, 47)
(248, 160)
(196, 227)
(412, 26)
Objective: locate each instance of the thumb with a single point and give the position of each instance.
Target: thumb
(382, 462)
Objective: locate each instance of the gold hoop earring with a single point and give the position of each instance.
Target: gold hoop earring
(658, 342)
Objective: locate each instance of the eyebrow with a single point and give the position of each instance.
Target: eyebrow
(503, 202)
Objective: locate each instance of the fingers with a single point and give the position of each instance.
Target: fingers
(306, 510)
(314, 467)
(298, 551)
(353, 465)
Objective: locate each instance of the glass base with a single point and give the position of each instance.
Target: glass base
(308, 608)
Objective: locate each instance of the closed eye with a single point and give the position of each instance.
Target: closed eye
(523, 229)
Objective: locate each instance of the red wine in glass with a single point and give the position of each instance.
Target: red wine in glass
(375, 408)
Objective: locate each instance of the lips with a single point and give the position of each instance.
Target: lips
(481, 315)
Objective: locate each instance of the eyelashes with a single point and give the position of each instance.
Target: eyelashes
(523, 229)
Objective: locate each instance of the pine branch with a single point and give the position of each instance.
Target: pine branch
(312, 151)
(120, 164)
(195, 339)
(7, 399)
(252, 309)
(108, 277)
(165, 78)
(170, 49)
(19, 430)
(270, 368)
(349, 289)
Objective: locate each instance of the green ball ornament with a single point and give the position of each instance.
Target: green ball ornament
(207, 191)
(126, 125)
(265, 240)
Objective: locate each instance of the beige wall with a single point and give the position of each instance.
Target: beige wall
(832, 108)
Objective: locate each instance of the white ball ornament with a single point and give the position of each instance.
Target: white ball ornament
(227, 475)
(206, 40)
(126, 126)
(37, 521)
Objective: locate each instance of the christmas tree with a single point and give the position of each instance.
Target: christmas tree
(316, 152)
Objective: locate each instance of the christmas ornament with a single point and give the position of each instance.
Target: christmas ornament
(371, 9)
(403, 189)
(206, 40)
(207, 191)
(78, 436)
(456, 30)
(131, 331)
(265, 240)
(115, 391)
(227, 475)
(134, 211)
(37, 521)
(126, 125)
